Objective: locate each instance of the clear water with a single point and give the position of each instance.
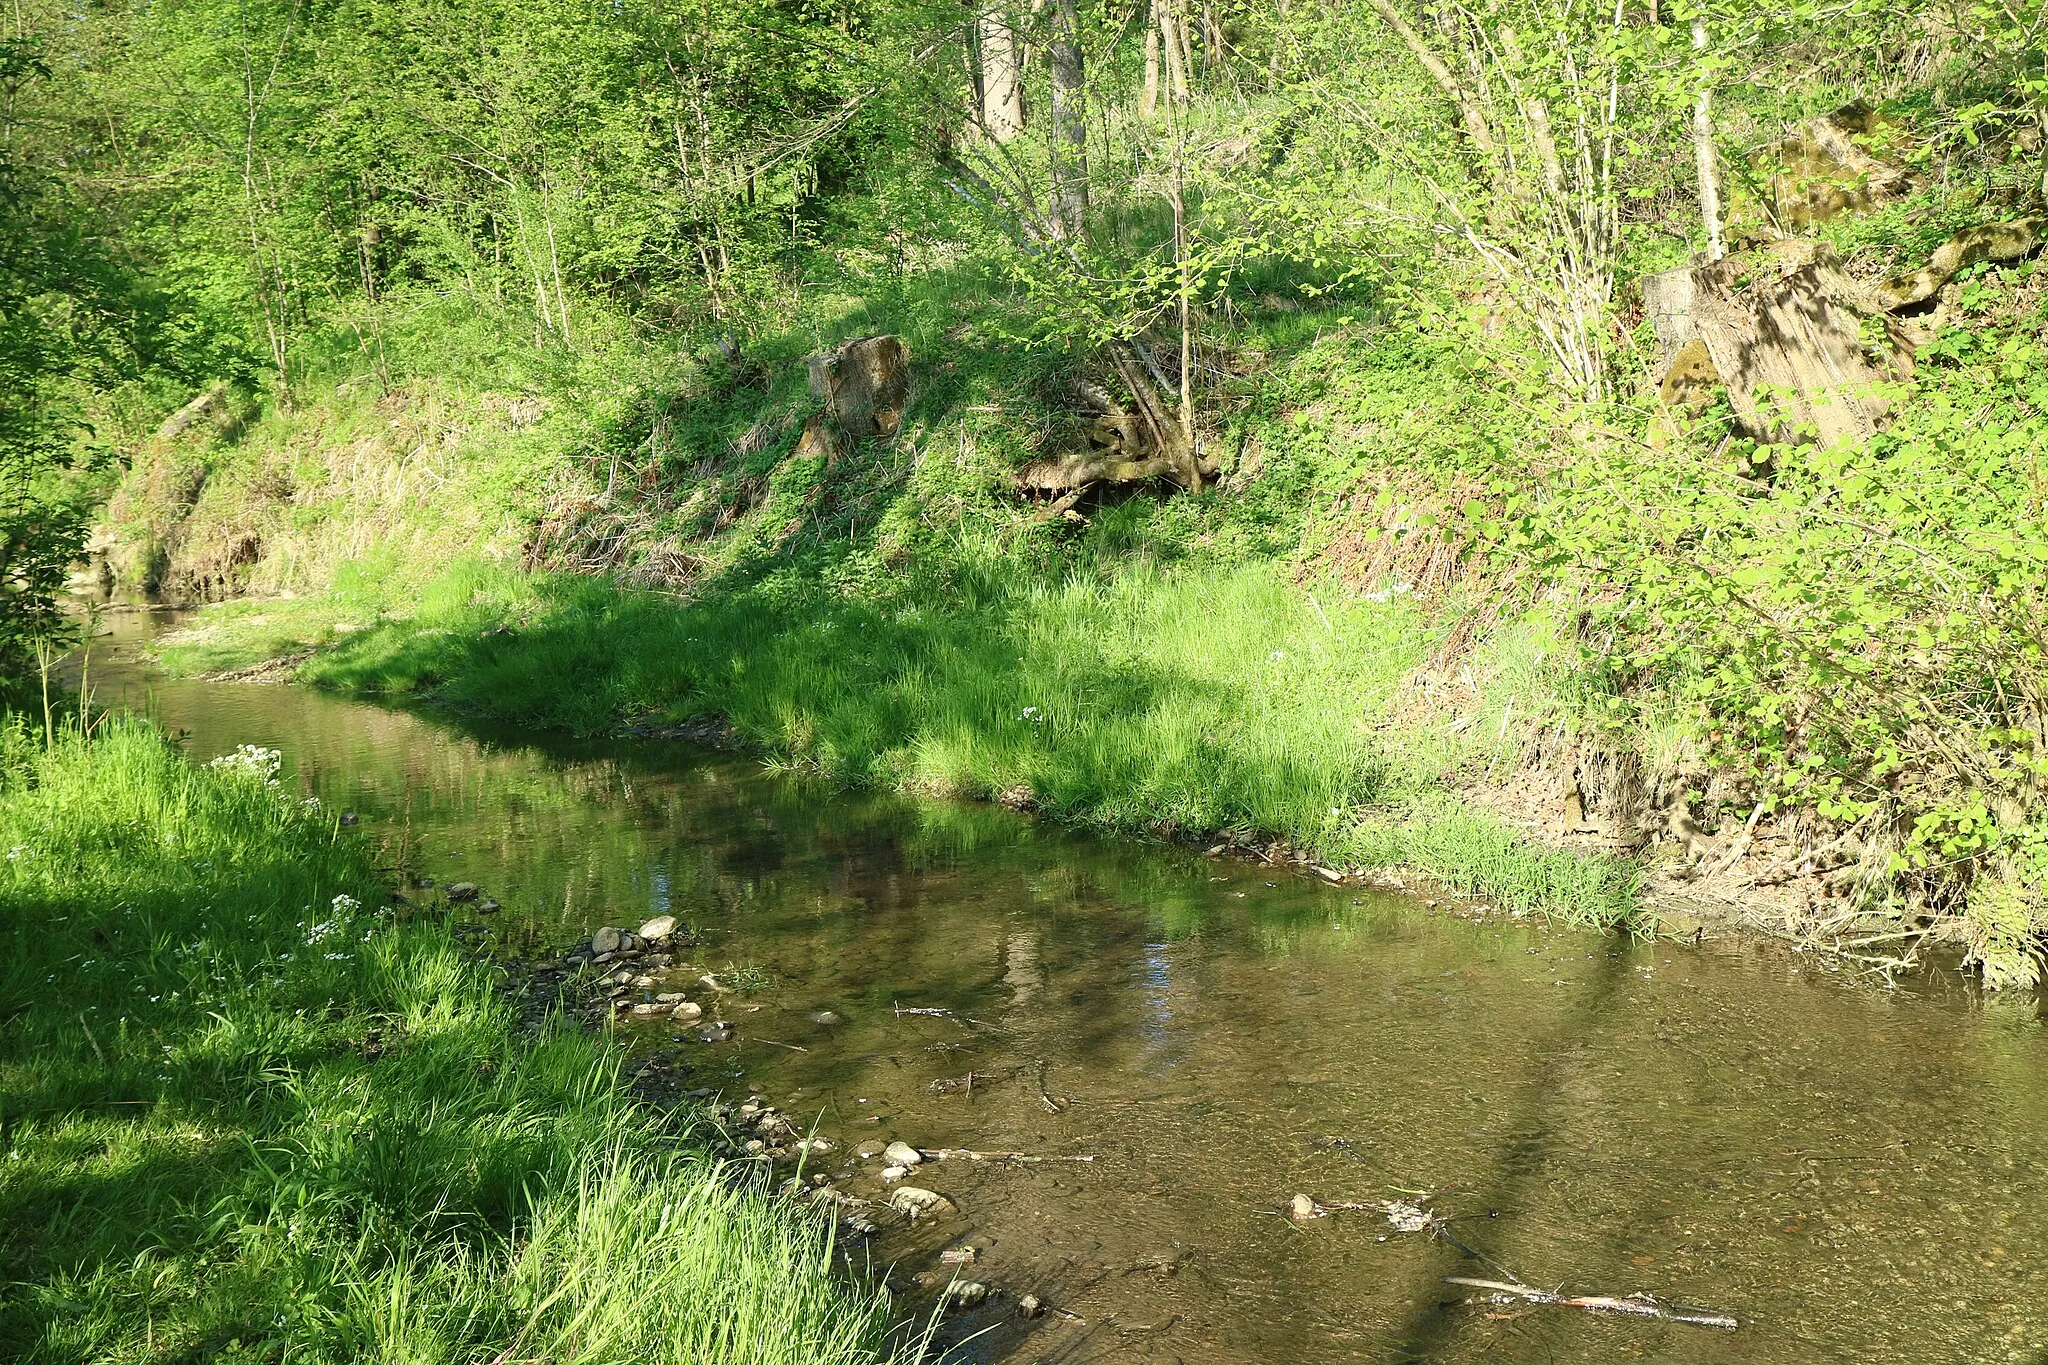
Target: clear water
(1858, 1173)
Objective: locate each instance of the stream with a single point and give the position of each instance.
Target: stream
(1857, 1172)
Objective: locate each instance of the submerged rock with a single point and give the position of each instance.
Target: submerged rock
(915, 1203)
(1030, 1307)
(967, 1294)
(827, 1018)
(1301, 1209)
(462, 891)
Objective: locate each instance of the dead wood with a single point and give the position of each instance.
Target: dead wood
(1785, 335)
(1634, 1305)
(1123, 447)
(1989, 242)
(964, 1154)
(864, 386)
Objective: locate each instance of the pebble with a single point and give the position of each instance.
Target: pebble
(756, 1145)
(892, 1174)
(630, 943)
(648, 1009)
(669, 998)
(902, 1154)
(816, 1146)
(688, 1012)
(827, 1018)
(1301, 1208)
(1030, 1307)
(462, 891)
(967, 1294)
(715, 1033)
(605, 940)
(658, 928)
(917, 1203)
(870, 1149)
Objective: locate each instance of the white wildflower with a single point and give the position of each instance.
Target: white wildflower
(250, 761)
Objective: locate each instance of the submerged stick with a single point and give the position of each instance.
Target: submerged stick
(963, 1154)
(1634, 1305)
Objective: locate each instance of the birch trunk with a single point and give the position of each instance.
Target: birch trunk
(1002, 92)
(1069, 121)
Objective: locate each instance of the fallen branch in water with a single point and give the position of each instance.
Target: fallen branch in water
(933, 1012)
(1634, 1305)
(963, 1154)
(1415, 1216)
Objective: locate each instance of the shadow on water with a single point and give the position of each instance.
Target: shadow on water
(1855, 1173)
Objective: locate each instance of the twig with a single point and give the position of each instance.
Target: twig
(963, 1154)
(1635, 1305)
(772, 1043)
(94, 1041)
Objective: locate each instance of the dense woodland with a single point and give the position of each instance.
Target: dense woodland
(1367, 295)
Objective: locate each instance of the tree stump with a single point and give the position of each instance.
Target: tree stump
(1786, 335)
(864, 385)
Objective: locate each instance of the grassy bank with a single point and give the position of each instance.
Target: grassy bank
(1142, 702)
(1429, 614)
(252, 1114)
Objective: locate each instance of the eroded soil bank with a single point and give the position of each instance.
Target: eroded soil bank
(1854, 1172)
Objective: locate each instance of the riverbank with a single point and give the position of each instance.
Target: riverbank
(1217, 707)
(1422, 618)
(255, 1103)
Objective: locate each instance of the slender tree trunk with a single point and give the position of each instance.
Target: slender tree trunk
(1703, 149)
(1273, 56)
(1148, 100)
(1176, 53)
(1212, 36)
(1069, 121)
(1193, 477)
(1002, 90)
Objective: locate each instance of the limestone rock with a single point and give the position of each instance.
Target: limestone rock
(917, 1203)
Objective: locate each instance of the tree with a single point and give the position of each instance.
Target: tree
(1002, 87)
(1069, 121)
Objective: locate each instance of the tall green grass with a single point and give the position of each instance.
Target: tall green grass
(252, 1114)
(1228, 700)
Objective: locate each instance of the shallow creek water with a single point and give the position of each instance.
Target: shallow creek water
(1859, 1173)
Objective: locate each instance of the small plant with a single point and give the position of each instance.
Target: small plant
(747, 979)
